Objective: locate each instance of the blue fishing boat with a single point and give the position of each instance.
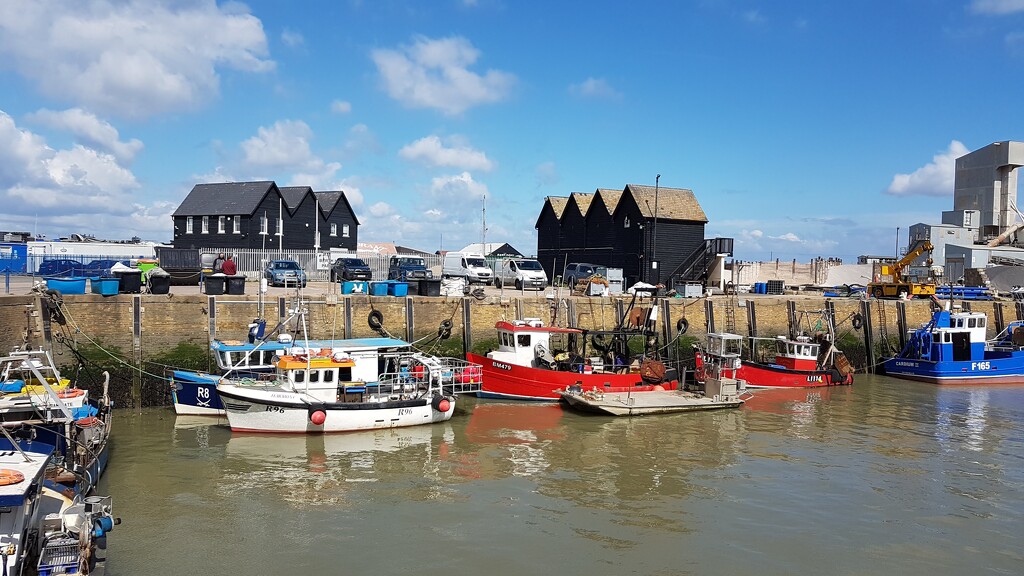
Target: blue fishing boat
(952, 348)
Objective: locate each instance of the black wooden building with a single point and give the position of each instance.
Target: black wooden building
(650, 232)
(262, 215)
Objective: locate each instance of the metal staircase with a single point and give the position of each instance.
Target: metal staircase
(694, 268)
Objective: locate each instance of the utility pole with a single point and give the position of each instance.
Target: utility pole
(654, 243)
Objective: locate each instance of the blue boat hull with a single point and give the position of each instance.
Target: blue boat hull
(196, 394)
(1007, 370)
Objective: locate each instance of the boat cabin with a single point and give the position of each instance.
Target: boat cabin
(530, 343)
(799, 354)
(951, 336)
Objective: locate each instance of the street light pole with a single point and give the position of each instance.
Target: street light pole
(654, 243)
(897, 242)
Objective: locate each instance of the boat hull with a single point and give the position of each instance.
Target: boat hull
(278, 411)
(644, 403)
(1003, 371)
(758, 375)
(195, 394)
(506, 381)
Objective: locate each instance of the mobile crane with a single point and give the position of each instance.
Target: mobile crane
(891, 282)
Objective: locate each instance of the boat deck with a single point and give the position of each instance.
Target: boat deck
(641, 403)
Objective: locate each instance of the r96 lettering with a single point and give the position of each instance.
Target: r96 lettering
(275, 409)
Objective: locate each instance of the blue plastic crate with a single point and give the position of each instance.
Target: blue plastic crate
(104, 286)
(355, 288)
(378, 288)
(398, 288)
(67, 285)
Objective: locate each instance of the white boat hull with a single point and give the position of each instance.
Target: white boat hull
(281, 411)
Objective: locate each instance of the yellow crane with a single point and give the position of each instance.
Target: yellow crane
(892, 282)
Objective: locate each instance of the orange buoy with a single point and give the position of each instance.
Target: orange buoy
(8, 477)
(70, 393)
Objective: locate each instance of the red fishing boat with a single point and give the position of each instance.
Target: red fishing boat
(533, 361)
(783, 362)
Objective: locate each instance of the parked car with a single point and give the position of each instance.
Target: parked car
(522, 273)
(284, 273)
(57, 267)
(408, 268)
(350, 269)
(472, 267)
(575, 271)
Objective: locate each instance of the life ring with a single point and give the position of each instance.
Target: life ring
(857, 321)
(8, 477)
(682, 325)
(375, 320)
(70, 393)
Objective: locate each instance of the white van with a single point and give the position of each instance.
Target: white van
(472, 267)
(521, 273)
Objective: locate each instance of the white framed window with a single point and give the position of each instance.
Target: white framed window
(238, 225)
(625, 222)
(344, 230)
(206, 224)
(188, 225)
(334, 229)
(221, 224)
(264, 225)
(280, 226)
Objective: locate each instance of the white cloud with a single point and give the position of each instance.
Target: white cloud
(341, 107)
(292, 38)
(997, 7)
(787, 237)
(933, 179)
(456, 190)
(77, 184)
(381, 210)
(90, 131)
(595, 88)
(432, 152)
(134, 59)
(435, 74)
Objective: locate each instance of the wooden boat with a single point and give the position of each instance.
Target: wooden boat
(315, 392)
(951, 348)
(46, 530)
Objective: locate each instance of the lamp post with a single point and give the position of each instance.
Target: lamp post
(897, 242)
(654, 242)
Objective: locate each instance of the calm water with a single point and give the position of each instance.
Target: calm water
(885, 477)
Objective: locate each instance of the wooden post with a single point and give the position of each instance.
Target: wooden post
(869, 344)
(519, 308)
(667, 329)
(282, 310)
(620, 311)
(211, 307)
(901, 322)
(1020, 310)
(571, 312)
(997, 311)
(467, 327)
(751, 319)
(794, 323)
(830, 316)
(410, 323)
(137, 351)
(348, 317)
(709, 316)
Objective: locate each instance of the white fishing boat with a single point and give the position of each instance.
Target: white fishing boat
(314, 391)
(42, 530)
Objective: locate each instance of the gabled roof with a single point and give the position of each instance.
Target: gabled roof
(583, 200)
(672, 203)
(491, 248)
(610, 198)
(226, 198)
(329, 201)
(293, 196)
(557, 204)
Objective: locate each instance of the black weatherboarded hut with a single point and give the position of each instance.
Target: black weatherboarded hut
(259, 215)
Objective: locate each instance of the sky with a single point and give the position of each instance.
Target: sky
(804, 128)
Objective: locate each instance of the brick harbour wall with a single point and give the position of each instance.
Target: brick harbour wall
(168, 321)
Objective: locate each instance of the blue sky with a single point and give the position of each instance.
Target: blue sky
(805, 128)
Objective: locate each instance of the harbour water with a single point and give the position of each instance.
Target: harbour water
(884, 477)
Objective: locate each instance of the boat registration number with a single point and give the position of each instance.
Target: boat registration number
(502, 366)
(981, 365)
(275, 409)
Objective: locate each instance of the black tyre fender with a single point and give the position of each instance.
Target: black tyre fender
(375, 320)
(682, 325)
(599, 342)
(857, 321)
(444, 331)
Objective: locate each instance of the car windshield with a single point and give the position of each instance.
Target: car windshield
(286, 265)
(354, 262)
(410, 262)
(476, 262)
(529, 265)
